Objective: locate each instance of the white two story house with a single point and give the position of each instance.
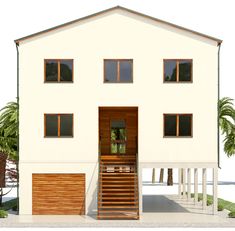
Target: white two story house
(105, 96)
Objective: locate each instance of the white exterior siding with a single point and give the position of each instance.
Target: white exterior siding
(114, 35)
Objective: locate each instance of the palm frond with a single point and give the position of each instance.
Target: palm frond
(9, 129)
(226, 115)
(229, 144)
(8, 119)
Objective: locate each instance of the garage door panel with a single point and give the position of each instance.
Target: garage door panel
(57, 194)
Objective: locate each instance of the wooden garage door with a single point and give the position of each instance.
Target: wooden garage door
(58, 194)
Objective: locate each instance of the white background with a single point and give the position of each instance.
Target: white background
(212, 17)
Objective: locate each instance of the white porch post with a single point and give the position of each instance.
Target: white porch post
(140, 190)
(195, 185)
(184, 182)
(189, 183)
(204, 199)
(179, 181)
(215, 182)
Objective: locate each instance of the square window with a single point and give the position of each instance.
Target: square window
(58, 125)
(118, 71)
(178, 70)
(58, 70)
(178, 125)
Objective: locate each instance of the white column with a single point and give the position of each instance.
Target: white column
(184, 182)
(215, 182)
(179, 182)
(195, 185)
(204, 197)
(189, 182)
(140, 190)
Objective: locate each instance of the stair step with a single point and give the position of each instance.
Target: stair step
(112, 183)
(117, 180)
(118, 186)
(113, 157)
(119, 207)
(116, 217)
(118, 177)
(118, 190)
(117, 202)
(119, 211)
(119, 194)
(118, 173)
(118, 161)
(119, 198)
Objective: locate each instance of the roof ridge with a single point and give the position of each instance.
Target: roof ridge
(17, 41)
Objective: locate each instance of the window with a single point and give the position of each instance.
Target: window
(58, 70)
(58, 125)
(118, 71)
(178, 125)
(118, 136)
(179, 70)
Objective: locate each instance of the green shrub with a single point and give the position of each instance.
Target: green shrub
(232, 214)
(3, 214)
(220, 207)
(11, 204)
(209, 202)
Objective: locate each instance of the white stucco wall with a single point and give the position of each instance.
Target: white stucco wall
(114, 35)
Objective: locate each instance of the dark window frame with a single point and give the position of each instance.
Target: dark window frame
(118, 70)
(58, 115)
(177, 71)
(58, 70)
(177, 124)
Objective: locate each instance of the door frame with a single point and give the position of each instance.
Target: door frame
(119, 108)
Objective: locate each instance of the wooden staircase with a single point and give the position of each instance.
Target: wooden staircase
(118, 188)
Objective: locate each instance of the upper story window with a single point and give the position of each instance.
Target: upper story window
(178, 70)
(118, 70)
(58, 125)
(58, 70)
(178, 125)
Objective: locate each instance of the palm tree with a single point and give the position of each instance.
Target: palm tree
(226, 115)
(227, 124)
(9, 130)
(8, 144)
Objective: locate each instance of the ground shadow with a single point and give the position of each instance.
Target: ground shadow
(226, 183)
(160, 203)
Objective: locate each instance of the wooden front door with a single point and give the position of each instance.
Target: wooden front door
(118, 130)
